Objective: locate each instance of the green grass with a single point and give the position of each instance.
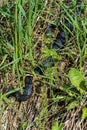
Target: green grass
(24, 45)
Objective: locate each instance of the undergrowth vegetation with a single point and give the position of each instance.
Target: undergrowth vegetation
(29, 34)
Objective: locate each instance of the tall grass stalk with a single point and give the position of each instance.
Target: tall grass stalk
(18, 40)
(29, 31)
(16, 46)
(77, 29)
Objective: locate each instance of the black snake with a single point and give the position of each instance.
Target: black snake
(58, 43)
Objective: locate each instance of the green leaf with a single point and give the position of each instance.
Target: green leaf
(72, 105)
(57, 126)
(84, 113)
(22, 10)
(76, 78)
(50, 52)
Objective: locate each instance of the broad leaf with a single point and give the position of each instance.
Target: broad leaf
(72, 105)
(84, 113)
(76, 78)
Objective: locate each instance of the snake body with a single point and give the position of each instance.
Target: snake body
(27, 90)
(48, 62)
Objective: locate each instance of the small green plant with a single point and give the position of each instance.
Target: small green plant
(46, 52)
(76, 78)
(84, 113)
(72, 93)
(57, 126)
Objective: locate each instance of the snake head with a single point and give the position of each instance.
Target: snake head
(28, 79)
